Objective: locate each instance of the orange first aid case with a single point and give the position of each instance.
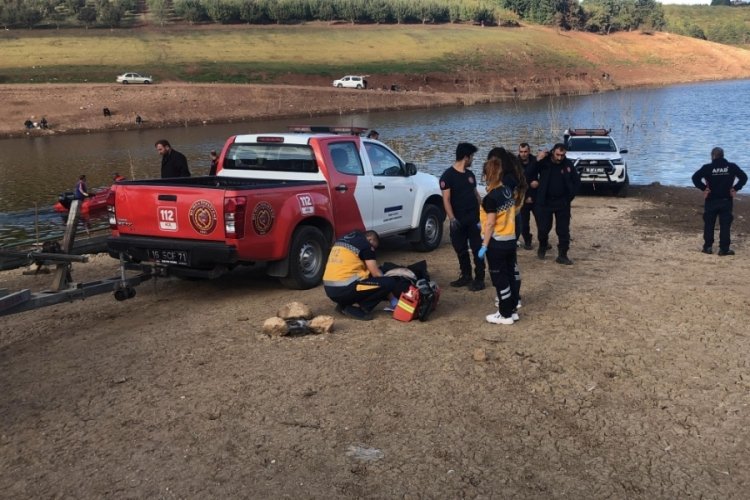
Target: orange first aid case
(406, 309)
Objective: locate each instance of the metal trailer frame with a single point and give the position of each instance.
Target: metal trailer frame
(63, 289)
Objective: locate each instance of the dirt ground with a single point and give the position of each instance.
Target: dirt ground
(626, 377)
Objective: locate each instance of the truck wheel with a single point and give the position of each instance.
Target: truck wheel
(622, 190)
(307, 258)
(430, 229)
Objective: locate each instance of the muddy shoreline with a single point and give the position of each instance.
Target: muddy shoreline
(77, 109)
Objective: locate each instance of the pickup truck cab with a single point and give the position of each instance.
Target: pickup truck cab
(280, 199)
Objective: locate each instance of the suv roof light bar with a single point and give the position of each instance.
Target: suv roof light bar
(588, 131)
(325, 129)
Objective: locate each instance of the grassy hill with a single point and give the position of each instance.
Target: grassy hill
(437, 57)
(722, 24)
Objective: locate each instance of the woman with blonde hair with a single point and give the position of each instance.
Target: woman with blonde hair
(498, 221)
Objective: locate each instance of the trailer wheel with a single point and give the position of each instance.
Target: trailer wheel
(121, 294)
(430, 229)
(307, 258)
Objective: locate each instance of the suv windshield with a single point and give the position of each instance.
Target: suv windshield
(271, 157)
(592, 144)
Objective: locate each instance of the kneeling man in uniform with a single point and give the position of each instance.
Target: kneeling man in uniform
(352, 277)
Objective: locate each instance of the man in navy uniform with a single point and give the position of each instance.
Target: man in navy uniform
(557, 185)
(719, 180)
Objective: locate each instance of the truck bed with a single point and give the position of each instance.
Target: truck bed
(220, 182)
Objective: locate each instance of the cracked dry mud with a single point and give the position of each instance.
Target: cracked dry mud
(627, 377)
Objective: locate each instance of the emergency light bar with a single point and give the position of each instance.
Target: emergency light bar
(588, 131)
(270, 139)
(324, 129)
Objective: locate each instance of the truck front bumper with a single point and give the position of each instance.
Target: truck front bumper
(603, 177)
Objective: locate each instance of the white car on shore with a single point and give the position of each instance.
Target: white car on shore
(127, 78)
(351, 82)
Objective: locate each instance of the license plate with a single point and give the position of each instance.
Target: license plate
(594, 170)
(179, 257)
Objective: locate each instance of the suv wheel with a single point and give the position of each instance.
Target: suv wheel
(622, 190)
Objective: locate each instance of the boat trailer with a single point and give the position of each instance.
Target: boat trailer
(63, 289)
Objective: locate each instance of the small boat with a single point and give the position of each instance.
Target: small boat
(94, 204)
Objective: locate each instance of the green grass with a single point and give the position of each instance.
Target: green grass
(244, 54)
(722, 24)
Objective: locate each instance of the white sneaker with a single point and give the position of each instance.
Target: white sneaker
(515, 316)
(497, 303)
(498, 319)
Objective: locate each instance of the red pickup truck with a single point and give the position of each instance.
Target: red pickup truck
(279, 199)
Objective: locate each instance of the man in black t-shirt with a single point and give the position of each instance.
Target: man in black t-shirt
(722, 181)
(556, 181)
(461, 201)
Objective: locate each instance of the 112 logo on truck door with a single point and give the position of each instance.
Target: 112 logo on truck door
(167, 218)
(306, 206)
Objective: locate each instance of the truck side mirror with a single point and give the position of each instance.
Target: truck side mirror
(411, 169)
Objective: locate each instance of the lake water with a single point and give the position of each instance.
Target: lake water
(668, 131)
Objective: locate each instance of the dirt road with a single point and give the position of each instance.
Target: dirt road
(627, 377)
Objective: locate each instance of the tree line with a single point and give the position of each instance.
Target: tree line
(599, 16)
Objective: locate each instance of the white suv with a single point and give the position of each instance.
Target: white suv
(351, 82)
(598, 159)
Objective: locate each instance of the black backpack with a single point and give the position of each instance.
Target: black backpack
(429, 294)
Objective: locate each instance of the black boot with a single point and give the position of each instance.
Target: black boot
(462, 280)
(527, 244)
(562, 258)
(541, 252)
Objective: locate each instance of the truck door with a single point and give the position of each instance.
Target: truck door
(351, 189)
(393, 190)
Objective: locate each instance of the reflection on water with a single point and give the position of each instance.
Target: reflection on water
(669, 133)
(25, 227)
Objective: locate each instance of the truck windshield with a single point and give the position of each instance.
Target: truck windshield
(271, 157)
(589, 144)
